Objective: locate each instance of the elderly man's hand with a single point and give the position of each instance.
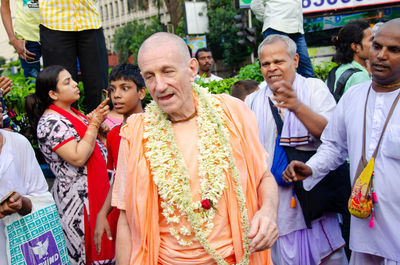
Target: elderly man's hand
(296, 171)
(5, 84)
(15, 204)
(285, 96)
(263, 231)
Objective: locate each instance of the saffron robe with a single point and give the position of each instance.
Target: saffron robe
(135, 191)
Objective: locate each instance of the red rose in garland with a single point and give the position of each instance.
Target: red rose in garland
(206, 204)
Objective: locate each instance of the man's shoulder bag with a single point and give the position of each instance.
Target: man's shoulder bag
(331, 194)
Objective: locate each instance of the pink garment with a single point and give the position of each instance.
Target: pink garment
(112, 122)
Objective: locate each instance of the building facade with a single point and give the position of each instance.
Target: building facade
(117, 13)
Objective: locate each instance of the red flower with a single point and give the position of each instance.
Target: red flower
(206, 204)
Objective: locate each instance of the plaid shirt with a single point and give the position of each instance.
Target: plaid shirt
(69, 15)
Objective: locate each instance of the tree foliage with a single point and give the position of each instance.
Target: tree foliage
(175, 10)
(222, 39)
(127, 39)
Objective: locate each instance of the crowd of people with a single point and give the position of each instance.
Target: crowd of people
(196, 178)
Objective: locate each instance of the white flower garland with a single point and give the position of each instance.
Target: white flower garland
(171, 177)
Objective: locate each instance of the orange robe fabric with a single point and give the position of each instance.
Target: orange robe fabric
(135, 192)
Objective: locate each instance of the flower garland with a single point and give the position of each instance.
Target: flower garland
(171, 177)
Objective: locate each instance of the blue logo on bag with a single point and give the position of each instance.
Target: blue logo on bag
(41, 250)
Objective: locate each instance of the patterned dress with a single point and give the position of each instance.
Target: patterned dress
(70, 189)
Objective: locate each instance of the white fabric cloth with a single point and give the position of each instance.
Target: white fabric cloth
(343, 137)
(296, 243)
(208, 79)
(20, 172)
(318, 99)
(281, 15)
(294, 133)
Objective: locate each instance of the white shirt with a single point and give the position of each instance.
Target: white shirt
(320, 101)
(20, 172)
(281, 15)
(343, 137)
(208, 79)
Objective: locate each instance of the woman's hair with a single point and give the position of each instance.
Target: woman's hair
(353, 32)
(37, 103)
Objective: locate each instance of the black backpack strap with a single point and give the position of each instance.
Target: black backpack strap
(341, 83)
(331, 79)
(277, 117)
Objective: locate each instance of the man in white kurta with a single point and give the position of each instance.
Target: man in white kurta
(296, 245)
(343, 137)
(20, 172)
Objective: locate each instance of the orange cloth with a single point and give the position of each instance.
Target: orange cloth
(135, 192)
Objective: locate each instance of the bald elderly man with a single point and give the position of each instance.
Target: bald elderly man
(376, 239)
(192, 182)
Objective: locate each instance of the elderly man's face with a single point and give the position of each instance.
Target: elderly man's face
(385, 56)
(276, 63)
(205, 61)
(168, 78)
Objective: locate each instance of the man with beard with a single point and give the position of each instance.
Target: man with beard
(206, 62)
(355, 131)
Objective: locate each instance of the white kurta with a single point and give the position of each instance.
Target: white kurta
(296, 243)
(320, 101)
(343, 137)
(20, 172)
(208, 79)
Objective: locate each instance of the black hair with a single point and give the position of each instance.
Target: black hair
(353, 32)
(37, 103)
(128, 72)
(242, 88)
(190, 51)
(201, 50)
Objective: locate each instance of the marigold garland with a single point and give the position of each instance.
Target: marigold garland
(171, 177)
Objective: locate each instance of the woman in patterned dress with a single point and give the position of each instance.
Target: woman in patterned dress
(68, 141)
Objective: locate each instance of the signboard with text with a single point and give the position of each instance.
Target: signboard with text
(312, 6)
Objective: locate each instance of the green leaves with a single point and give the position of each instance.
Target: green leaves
(219, 87)
(322, 69)
(127, 39)
(251, 71)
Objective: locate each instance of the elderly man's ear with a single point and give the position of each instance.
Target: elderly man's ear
(296, 60)
(193, 68)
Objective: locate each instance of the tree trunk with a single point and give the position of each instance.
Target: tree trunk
(175, 10)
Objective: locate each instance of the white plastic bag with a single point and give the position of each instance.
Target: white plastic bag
(36, 238)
